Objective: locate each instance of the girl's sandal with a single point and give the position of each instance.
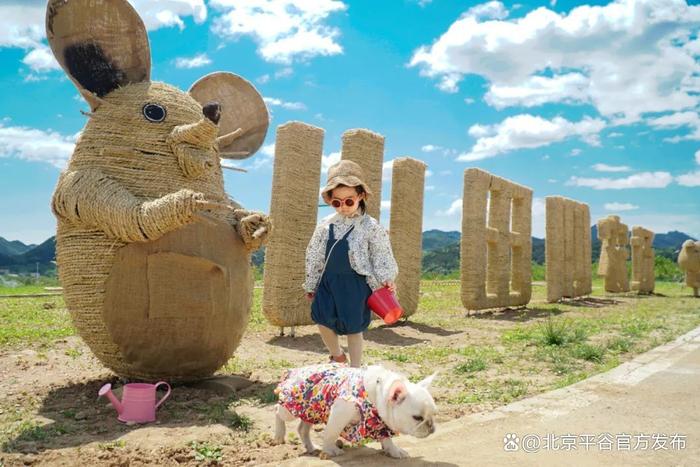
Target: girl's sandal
(339, 359)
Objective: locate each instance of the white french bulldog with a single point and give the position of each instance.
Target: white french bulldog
(402, 406)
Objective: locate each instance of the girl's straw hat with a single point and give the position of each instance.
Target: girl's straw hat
(346, 173)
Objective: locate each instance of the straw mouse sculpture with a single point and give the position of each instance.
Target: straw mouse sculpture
(153, 256)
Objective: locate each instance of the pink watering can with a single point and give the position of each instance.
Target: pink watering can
(138, 402)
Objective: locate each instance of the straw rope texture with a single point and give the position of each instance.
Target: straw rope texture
(689, 262)
(613, 254)
(294, 207)
(495, 262)
(367, 149)
(567, 248)
(643, 279)
(406, 228)
(131, 180)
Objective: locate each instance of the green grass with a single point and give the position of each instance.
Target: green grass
(26, 321)
(206, 452)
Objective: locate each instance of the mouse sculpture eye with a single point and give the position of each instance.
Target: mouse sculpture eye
(418, 418)
(154, 112)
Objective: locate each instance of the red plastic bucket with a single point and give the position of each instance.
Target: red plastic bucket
(384, 304)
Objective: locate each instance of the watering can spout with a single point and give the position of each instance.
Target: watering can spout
(106, 390)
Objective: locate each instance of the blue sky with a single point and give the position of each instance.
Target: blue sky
(596, 101)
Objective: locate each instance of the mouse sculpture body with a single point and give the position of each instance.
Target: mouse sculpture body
(153, 256)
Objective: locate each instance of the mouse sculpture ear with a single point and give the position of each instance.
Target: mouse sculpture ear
(100, 45)
(244, 118)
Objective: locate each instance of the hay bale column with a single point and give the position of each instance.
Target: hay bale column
(643, 279)
(367, 149)
(613, 254)
(567, 248)
(294, 209)
(405, 228)
(495, 261)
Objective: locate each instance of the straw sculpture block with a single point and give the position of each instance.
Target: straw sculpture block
(294, 207)
(367, 149)
(496, 245)
(153, 256)
(689, 262)
(406, 228)
(642, 260)
(567, 248)
(613, 235)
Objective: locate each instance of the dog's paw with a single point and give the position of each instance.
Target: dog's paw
(396, 452)
(330, 451)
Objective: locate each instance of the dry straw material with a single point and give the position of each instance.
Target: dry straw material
(294, 208)
(613, 254)
(153, 256)
(567, 248)
(642, 260)
(496, 245)
(367, 149)
(689, 262)
(406, 227)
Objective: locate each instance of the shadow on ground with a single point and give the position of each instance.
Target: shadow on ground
(72, 415)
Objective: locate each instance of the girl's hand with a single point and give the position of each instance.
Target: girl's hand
(390, 285)
(310, 296)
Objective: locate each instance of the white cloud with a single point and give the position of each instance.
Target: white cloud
(22, 25)
(197, 61)
(640, 180)
(387, 170)
(538, 217)
(283, 29)
(610, 168)
(429, 188)
(36, 145)
(284, 104)
(385, 205)
(285, 72)
(167, 13)
(697, 157)
(626, 58)
(575, 152)
(689, 120)
(430, 148)
(620, 207)
(615, 134)
(689, 179)
(263, 79)
(528, 131)
(328, 160)
(264, 159)
(455, 209)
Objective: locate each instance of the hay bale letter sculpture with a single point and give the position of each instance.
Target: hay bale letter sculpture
(496, 253)
(153, 256)
(689, 262)
(406, 228)
(613, 254)
(567, 248)
(643, 279)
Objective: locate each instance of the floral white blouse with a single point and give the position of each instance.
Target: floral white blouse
(370, 252)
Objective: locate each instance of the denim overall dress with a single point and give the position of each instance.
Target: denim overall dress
(340, 302)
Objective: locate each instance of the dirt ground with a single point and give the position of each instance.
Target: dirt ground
(50, 413)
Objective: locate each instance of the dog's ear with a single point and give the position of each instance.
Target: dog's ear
(426, 382)
(397, 392)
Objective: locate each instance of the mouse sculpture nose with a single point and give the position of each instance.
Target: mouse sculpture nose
(212, 111)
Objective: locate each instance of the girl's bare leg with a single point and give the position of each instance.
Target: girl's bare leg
(330, 338)
(355, 342)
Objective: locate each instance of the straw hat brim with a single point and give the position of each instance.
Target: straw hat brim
(242, 107)
(347, 180)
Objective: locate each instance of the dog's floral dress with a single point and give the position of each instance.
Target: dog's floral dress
(308, 393)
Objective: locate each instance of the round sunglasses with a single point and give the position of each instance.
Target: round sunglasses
(349, 201)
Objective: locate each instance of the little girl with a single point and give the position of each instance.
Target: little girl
(348, 257)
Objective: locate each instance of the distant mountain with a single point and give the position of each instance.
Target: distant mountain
(436, 239)
(440, 251)
(13, 248)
